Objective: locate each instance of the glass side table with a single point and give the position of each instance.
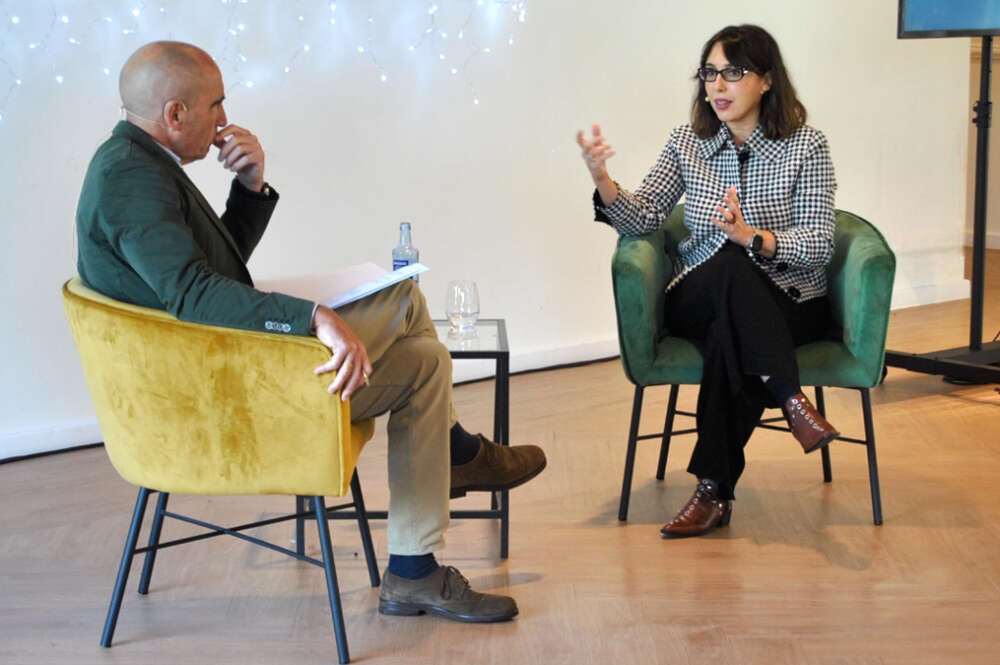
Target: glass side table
(488, 340)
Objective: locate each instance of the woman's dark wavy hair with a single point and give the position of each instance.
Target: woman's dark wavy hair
(753, 48)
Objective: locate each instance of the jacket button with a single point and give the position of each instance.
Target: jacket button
(794, 292)
(781, 267)
(269, 325)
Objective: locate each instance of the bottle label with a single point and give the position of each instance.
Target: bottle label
(399, 263)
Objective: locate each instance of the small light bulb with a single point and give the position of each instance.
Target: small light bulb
(384, 77)
(305, 47)
(454, 70)
(72, 40)
(288, 69)
(243, 57)
(107, 19)
(441, 55)
(17, 81)
(302, 18)
(241, 27)
(59, 78)
(511, 40)
(433, 10)
(106, 71)
(333, 6)
(487, 50)
(361, 49)
(32, 45)
(249, 84)
(461, 34)
(476, 100)
(64, 19)
(15, 19)
(333, 21)
(135, 12)
(412, 48)
(444, 35)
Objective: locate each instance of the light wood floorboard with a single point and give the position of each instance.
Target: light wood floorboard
(800, 576)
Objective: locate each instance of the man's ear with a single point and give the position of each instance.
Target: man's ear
(173, 113)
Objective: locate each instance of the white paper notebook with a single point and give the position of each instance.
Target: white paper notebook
(341, 286)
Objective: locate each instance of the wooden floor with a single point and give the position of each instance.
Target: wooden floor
(800, 576)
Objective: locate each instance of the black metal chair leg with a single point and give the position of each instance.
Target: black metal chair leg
(332, 588)
(825, 452)
(126, 565)
(866, 405)
(154, 540)
(301, 505)
(633, 434)
(366, 533)
(668, 429)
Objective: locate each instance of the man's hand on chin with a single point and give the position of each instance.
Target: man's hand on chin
(349, 359)
(241, 152)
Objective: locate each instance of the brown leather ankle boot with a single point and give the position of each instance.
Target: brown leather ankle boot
(703, 512)
(810, 428)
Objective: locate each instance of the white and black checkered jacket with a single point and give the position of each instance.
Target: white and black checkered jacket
(786, 187)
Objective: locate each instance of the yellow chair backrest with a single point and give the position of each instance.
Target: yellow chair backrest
(200, 409)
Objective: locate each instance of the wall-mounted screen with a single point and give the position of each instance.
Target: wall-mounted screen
(948, 18)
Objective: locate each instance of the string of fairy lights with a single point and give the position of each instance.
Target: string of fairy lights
(259, 42)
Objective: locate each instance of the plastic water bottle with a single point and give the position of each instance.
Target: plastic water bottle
(405, 253)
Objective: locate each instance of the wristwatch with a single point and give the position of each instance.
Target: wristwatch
(757, 242)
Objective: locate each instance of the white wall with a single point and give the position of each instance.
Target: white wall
(993, 189)
(496, 191)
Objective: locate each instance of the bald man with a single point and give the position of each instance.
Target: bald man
(147, 236)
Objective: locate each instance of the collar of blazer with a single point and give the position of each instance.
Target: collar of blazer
(137, 135)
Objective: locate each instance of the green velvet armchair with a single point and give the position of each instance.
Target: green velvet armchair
(200, 409)
(860, 277)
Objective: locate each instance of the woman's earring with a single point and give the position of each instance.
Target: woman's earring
(707, 98)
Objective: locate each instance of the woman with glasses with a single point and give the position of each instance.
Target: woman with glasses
(749, 282)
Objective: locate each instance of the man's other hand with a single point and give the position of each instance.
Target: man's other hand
(349, 359)
(241, 152)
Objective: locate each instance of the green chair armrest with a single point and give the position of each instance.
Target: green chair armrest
(860, 278)
(640, 269)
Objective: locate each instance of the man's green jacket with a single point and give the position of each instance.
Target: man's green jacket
(147, 236)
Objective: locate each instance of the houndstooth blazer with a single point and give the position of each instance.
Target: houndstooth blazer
(786, 187)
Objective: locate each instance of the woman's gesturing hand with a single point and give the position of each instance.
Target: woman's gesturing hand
(732, 222)
(595, 153)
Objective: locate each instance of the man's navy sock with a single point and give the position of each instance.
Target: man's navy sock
(464, 446)
(412, 567)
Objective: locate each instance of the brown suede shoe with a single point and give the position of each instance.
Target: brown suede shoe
(445, 592)
(810, 428)
(496, 468)
(703, 512)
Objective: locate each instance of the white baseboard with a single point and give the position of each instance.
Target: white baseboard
(537, 358)
(927, 294)
(992, 239)
(30, 442)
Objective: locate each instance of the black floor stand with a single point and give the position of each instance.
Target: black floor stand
(977, 363)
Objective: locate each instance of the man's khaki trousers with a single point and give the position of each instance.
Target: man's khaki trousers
(412, 382)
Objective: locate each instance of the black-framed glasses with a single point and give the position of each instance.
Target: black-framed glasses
(730, 74)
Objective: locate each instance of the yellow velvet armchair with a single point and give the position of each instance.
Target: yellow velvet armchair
(200, 409)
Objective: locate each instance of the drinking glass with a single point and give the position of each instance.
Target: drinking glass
(462, 305)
